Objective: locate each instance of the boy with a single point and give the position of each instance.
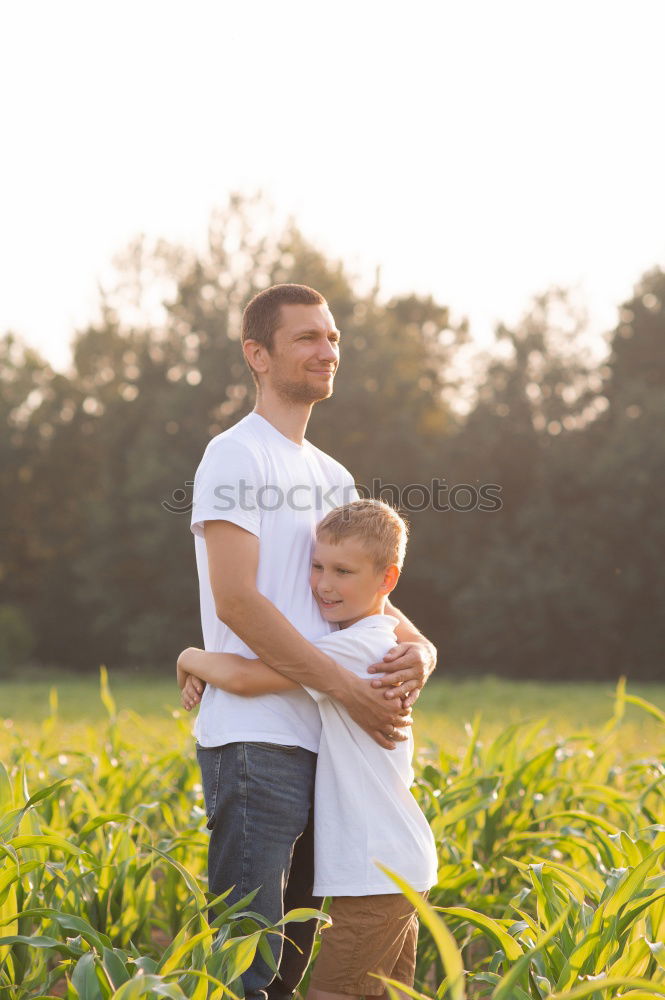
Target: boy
(364, 810)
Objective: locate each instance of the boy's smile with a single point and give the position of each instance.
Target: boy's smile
(346, 583)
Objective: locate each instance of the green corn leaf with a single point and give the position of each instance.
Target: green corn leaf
(395, 989)
(8, 878)
(84, 978)
(580, 814)
(137, 988)
(41, 941)
(506, 988)
(9, 822)
(45, 793)
(8, 918)
(599, 983)
(519, 994)
(657, 949)
(6, 790)
(190, 882)
(175, 959)
(102, 820)
(627, 847)
(640, 995)
(647, 706)
(201, 990)
(172, 991)
(527, 920)
(634, 960)
(302, 915)
(105, 693)
(199, 975)
(578, 883)
(486, 977)
(115, 967)
(240, 954)
(33, 842)
(265, 951)
(467, 762)
(630, 883)
(628, 915)
(498, 934)
(445, 942)
(457, 813)
(235, 909)
(71, 922)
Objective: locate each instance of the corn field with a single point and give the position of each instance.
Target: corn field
(551, 879)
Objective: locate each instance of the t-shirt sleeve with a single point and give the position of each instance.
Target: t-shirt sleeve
(354, 652)
(225, 487)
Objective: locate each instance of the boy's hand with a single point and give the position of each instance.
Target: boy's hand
(405, 668)
(191, 691)
(191, 688)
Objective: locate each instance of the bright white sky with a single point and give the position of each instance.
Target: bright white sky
(480, 151)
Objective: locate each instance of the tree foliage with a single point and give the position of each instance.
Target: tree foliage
(562, 581)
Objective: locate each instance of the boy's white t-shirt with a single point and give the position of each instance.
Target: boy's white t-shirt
(364, 810)
(254, 476)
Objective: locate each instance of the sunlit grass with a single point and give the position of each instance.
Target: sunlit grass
(442, 713)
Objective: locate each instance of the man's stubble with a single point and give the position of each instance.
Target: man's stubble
(299, 392)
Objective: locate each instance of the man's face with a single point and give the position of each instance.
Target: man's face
(305, 354)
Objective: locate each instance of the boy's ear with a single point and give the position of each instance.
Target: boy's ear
(390, 578)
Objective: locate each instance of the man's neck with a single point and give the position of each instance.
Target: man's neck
(290, 419)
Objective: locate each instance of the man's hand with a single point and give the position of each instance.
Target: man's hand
(404, 669)
(384, 720)
(191, 691)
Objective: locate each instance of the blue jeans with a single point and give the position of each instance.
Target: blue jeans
(259, 801)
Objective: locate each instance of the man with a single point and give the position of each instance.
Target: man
(259, 492)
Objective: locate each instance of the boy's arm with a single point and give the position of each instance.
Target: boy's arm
(405, 668)
(233, 557)
(232, 673)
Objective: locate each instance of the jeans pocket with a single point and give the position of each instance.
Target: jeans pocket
(277, 747)
(210, 762)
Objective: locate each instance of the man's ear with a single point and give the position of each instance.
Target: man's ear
(390, 578)
(256, 356)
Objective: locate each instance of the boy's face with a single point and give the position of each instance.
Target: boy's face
(345, 582)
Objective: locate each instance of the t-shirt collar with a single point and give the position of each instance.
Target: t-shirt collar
(266, 425)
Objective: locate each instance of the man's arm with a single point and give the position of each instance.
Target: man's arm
(233, 558)
(406, 668)
(232, 673)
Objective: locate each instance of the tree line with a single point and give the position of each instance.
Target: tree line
(532, 475)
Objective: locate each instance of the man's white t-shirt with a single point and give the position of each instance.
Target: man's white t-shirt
(254, 476)
(363, 807)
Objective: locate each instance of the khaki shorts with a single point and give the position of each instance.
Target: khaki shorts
(369, 934)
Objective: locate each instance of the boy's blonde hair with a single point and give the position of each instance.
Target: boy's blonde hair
(379, 527)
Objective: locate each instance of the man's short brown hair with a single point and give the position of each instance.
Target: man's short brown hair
(375, 524)
(262, 314)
